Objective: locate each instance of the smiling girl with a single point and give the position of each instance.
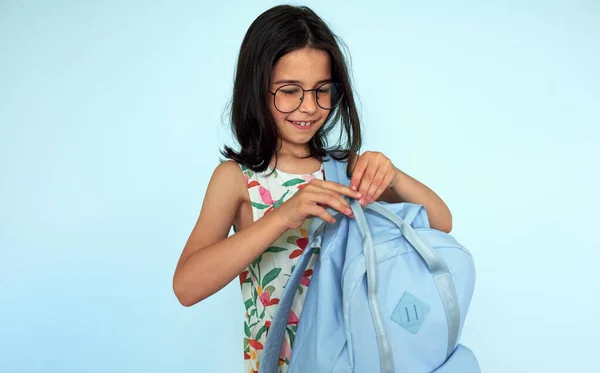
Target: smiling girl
(292, 88)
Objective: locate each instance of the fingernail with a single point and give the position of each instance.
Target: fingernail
(353, 187)
(348, 210)
(362, 201)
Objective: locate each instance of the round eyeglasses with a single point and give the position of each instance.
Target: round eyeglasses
(289, 97)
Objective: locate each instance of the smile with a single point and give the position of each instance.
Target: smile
(303, 125)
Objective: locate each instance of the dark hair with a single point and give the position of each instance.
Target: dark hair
(276, 32)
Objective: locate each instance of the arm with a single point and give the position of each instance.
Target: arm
(407, 189)
(374, 175)
(210, 260)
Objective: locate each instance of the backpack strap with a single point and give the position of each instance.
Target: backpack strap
(334, 171)
(436, 265)
(269, 362)
(438, 269)
(386, 356)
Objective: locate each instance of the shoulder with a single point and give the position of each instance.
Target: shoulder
(228, 168)
(228, 178)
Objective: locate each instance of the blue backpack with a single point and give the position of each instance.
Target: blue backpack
(388, 294)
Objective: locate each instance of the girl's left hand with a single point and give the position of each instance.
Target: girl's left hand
(373, 172)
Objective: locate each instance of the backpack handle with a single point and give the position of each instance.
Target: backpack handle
(385, 349)
(437, 266)
(336, 171)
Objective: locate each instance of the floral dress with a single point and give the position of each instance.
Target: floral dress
(263, 281)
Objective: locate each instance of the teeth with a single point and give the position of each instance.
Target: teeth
(303, 124)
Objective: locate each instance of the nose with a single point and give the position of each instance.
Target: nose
(309, 102)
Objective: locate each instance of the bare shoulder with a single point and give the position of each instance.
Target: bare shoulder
(226, 191)
(222, 200)
(229, 169)
(228, 175)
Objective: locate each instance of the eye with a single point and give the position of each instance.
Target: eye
(289, 91)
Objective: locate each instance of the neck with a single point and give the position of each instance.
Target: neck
(293, 150)
(294, 158)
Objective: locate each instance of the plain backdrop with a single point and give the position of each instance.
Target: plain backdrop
(112, 114)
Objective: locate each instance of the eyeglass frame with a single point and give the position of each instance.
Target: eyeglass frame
(302, 98)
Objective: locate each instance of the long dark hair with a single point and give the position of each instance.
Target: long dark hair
(273, 34)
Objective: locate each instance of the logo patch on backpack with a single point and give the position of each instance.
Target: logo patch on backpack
(410, 312)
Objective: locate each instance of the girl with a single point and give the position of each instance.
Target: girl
(291, 89)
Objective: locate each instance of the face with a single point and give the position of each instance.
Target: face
(308, 68)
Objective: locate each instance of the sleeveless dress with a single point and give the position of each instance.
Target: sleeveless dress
(262, 282)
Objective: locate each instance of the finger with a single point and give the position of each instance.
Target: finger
(333, 201)
(386, 182)
(376, 184)
(357, 173)
(320, 212)
(336, 192)
(341, 189)
(379, 179)
(328, 198)
(335, 195)
(367, 180)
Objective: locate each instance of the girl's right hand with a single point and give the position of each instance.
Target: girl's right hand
(313, 200)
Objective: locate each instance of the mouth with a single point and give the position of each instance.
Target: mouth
(303, 125)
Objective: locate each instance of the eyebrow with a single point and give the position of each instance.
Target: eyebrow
(286, 81)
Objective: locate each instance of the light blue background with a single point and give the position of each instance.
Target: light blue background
(111, 118)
